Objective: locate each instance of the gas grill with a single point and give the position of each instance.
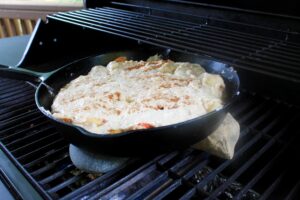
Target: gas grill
(262, 44)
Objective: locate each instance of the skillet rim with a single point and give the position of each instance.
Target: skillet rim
(140, 131)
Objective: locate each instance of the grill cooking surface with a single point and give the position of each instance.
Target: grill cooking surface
(265, 165)
(257, 49)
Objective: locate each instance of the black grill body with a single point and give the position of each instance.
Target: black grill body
(263, 45)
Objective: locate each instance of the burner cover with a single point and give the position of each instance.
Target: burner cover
(92, 162)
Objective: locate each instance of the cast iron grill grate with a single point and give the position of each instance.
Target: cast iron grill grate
(262, 167)
(268, 53)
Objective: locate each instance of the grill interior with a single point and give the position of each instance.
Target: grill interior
(263, 165)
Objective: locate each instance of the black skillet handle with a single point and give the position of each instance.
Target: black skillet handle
(21, 74)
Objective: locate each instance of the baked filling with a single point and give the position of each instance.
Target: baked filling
(130, 95)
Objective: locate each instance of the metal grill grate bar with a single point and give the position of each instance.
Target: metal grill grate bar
(141, 193)
(204, 42)
(17, 105)
(234, 32)
(261, 118)
(57, 162)
(277, 50)
(292, 48)
(163, 31)
(260, 174)
(193, 30)
(199, 32)
(104, 181)
(9, 86)
(273, 186)
(248, 115)
(17, 112)
(281, 55)
(132, 19)
(182, 168)
(39, 151)
(54, 153)
(57, 174)
(161, 194)
(243, 50)
(162, 36)
(288, 64)
(222, 166)
(12, 89)
(251, 62)
(14, 93)
(293, 193)
(246, 166)
(33, 145)
(11, 127)
(19, 118)
(29, 137)
(66, 183)
(13, 101)
(10, 101)
(12, 137)
(150, 166)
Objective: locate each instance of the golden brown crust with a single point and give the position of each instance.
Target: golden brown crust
(121, 59)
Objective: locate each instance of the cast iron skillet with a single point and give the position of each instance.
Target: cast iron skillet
(131, 143)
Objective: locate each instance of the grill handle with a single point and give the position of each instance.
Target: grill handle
(22, 74)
